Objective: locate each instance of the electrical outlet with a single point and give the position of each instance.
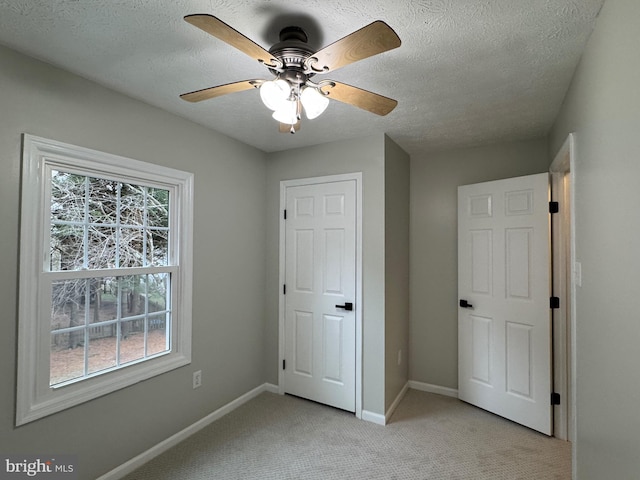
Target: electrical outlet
(197, 379)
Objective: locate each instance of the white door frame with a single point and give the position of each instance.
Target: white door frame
(564, 278)
(284, 184)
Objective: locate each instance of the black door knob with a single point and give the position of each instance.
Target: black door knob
(465, 304)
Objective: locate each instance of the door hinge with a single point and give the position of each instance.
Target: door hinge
(554, 207)
(285, 213)
(284, 364)
(284, 289)
(555, 398)
(554, 302)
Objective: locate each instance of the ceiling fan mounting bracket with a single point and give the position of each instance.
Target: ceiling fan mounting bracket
(293, 33)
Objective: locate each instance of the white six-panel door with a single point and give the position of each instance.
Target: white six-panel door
(320, 274)
(504, 335)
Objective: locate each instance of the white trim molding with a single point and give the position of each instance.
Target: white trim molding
(379, 419)
(565, 267)
(396, 402)
(430, 388)
(373, 417)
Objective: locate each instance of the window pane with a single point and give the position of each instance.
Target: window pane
(158, 248)
(102, 348)
(132, 344)
(66, 363)
(67, 197)
(157, 341)
(132, 293)
(102, 247)
(103, 200)
(68, 298)
(131, 204)
(66, 247)
(157, 291)
(103, 305)
(157, 207)
(131, 247)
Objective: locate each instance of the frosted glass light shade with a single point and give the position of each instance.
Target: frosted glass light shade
(287, 113)
(314, 102)
(274, 93)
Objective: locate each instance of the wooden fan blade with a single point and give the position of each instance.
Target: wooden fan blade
(219, 29)
(286, 128)
(207, 93)
(375, 38)
(360, 98)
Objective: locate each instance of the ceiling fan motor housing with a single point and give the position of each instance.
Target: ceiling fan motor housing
(292, 51)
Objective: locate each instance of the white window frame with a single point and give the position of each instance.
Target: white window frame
(35, 397)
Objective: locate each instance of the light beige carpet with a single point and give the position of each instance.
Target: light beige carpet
(428, 437)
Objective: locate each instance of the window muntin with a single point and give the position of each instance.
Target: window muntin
(105, 274)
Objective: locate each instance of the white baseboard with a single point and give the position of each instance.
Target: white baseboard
(173, 440)
(428, 387)
(395, 403)
(271, 388)
(384, 419)
(372, 417)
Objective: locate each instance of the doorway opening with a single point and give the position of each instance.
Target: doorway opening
(565, 278)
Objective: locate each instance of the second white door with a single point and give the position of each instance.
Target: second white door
(504, 321)
(320, 275)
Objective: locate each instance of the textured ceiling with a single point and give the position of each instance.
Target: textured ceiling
(469, 72)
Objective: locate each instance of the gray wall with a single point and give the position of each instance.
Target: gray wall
(229, 272)
(602, 108)
(367, 156)
(396, 188)
(434, 245)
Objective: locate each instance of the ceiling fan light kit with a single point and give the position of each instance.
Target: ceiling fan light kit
(293, 64)
(314, 102)
(274, 93)
(287, 113)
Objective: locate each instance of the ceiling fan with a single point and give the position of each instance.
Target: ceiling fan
(294, 65)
